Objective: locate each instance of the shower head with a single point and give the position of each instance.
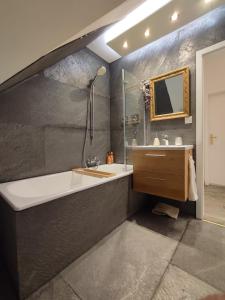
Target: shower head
(101, 71)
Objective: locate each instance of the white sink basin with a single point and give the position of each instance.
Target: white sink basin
(161, 147)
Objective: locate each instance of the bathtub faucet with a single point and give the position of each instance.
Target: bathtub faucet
(92, 162)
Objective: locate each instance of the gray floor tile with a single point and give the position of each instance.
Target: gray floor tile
(56, 289)
(161, 224)
(202, 253)
(215, 204)
(206, 237)
(178, 284)
(127, 264)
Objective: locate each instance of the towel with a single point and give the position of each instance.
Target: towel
(193, 194)
(163, 209)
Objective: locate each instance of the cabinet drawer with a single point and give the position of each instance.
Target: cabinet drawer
(161, 172)
(159, 161)
(164, 185)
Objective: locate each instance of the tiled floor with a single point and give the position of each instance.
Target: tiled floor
(147, 257)
(202, 253)
(215, 204)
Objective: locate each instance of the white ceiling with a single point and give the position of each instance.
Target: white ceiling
(160, 23)
(31, 29)
(144, 10)
(156, 15)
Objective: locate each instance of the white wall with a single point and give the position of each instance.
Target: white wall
(214, 91)
(214, 70)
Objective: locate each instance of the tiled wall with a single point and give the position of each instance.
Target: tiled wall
(42, 120)
(173, 51)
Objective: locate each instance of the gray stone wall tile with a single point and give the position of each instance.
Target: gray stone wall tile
(21, 151)
(78, 69)
(42, 120)
(117, 143)
(116, 117)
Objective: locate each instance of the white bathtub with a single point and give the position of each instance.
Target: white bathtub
(26, 193)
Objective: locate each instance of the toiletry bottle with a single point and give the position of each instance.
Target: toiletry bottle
(178, 141)
(134, 142)
(165, 140)
(156, 141)
(110, 157)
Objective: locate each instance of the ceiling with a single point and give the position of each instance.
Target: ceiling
(31, 29)
(51, 58)
(144, 10)
(157, 24)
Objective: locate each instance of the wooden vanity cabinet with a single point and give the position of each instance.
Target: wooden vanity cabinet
(163, 173)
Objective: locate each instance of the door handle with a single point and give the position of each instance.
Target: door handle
(212, 138)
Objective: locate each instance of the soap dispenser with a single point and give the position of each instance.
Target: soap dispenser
(165, 140)
(156, 141)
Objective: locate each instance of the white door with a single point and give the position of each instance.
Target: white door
(216, 139)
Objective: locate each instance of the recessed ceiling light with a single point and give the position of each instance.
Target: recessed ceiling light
(174, 16)
(207, 1)
(125, 45)
(147, 32)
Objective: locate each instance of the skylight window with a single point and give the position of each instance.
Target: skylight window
(135, 17)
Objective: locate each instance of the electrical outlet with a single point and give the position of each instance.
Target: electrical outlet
(188, 120)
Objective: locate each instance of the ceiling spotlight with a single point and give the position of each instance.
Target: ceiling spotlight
(207, 1)
(147, 32)
(125, 45)
(174, 16)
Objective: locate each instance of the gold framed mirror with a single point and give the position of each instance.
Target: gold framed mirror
(170, 95)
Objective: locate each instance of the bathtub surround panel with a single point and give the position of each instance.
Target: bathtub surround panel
(9, 241)
(44, 239)
(177, 49)
(42, 120)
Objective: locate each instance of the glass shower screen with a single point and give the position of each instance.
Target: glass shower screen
(134, 115)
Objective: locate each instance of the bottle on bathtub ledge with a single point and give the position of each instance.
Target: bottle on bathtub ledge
(110, 157)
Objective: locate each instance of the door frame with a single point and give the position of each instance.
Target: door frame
(200, 121)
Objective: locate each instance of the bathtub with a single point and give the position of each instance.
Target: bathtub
(26, 193)
(49, 221)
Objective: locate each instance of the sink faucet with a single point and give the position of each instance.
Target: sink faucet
(165, 140)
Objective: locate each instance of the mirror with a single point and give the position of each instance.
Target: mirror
(170, 95)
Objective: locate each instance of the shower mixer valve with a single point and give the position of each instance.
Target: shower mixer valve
(92, 162)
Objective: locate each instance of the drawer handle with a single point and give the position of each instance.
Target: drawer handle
(155, 155)
(160, 179)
